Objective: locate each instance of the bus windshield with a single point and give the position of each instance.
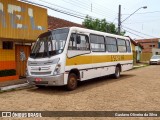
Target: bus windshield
(50, 43)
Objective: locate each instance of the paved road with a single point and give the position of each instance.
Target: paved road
(136, 90)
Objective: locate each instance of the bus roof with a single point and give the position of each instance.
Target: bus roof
(85, 30)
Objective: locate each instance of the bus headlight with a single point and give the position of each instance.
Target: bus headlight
(57, 69)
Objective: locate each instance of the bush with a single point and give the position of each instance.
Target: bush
(10, 72)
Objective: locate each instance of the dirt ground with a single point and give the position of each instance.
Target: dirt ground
(136, 90)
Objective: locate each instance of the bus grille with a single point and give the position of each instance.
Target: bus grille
(41, 73)
(40, 63)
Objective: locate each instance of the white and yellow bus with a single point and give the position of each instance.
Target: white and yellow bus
(65, 56)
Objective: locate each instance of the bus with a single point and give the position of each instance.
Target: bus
(67, 55)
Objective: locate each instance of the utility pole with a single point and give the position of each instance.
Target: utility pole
(119, 17)
(119, 20)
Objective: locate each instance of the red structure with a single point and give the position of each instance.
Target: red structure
(54, 23)
(148, 44)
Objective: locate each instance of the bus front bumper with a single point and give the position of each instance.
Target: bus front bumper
(57, 80)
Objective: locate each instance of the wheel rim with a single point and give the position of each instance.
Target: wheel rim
(72, 82)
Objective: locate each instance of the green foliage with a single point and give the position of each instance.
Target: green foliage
(10, 72)
(100, 25)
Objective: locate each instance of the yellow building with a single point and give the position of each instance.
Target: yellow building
(134, 44)
(137, 51)
(20, 25)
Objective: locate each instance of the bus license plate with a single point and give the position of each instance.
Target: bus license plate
(38, 79)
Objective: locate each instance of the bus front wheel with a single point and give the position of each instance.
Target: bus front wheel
(117, 73)
(72, 82)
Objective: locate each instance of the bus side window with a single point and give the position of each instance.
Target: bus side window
(128, 46)
(84, 43)
(78, 45)
(121, 45)
(79, 42)
(97, 43)
(111, 44)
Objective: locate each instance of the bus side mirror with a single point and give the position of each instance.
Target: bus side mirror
(78, 39)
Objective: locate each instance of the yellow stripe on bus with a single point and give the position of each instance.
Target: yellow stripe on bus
(79, 60)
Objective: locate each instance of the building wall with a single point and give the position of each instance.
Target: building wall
(145, 56)
(7, 58)
(21, 21)
(133, 47)
(134, 53)
(156, 51)
(148, 44)
(139, 52)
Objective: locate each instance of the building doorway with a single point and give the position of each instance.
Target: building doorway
(22, 53)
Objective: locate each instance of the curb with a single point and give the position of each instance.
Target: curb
(139, 66)
(6, 88)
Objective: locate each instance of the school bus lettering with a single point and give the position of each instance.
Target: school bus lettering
(117, 57)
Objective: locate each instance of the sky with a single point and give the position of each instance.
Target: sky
(145, 23)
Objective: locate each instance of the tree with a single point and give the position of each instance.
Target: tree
(100, 25)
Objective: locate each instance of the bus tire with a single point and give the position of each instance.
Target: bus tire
(116, 75)
(72, 82)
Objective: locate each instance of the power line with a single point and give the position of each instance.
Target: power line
(57, 10)
(75, 12)
(80, 6)
(133, 33)
(145, 13)
(101, 11)
(98, 6)
(139, 32)
(63, 7)
(106, 8)
(84, 15)
(64, 12)
(143, 21)
(86, 8)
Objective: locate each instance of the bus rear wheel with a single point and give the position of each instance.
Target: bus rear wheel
(116, 75)
(72, 82)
